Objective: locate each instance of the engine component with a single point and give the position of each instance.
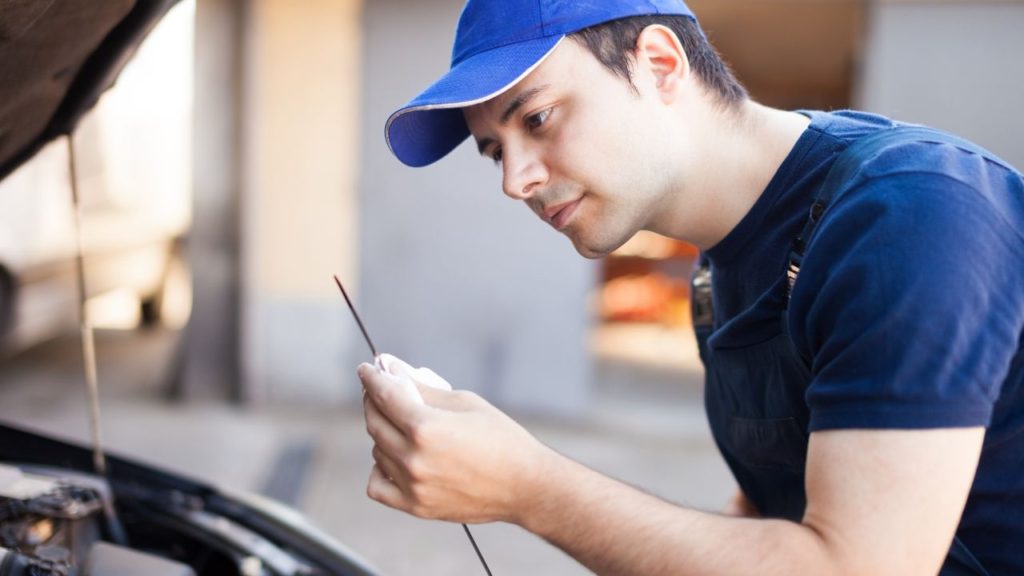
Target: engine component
(16, 564)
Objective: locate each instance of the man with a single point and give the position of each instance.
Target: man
(870, 403)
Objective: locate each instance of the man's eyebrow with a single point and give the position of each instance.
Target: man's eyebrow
(519, 100)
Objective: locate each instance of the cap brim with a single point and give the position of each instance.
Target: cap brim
(432, 125)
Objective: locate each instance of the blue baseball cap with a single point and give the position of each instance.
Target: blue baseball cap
(497, 44)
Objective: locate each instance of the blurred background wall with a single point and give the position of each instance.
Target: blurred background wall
(277, 155)
(299, 212)
(953, 65)
(453, 274)
(295, 183)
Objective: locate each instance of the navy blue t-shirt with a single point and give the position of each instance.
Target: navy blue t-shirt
(909, 305)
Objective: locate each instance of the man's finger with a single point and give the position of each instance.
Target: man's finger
(429, 384)
(387, 465)
(396, 398)
(383, 432)
(385, 491)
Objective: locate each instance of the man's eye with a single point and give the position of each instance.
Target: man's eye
(496, 155)
(537, 120)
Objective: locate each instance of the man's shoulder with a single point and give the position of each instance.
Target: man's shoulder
(919, 153)
(909, 164)
(845, 126)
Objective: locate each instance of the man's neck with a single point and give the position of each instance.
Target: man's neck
(735, 155)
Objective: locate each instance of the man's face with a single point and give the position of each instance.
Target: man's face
(580, 147)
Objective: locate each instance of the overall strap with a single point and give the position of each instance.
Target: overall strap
(846, 166)
(702, 307)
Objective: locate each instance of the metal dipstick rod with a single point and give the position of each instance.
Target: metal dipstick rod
(380, 366)
(88, 342)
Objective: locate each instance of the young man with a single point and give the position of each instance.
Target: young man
(870, 401)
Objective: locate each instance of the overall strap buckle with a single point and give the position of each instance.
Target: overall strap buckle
(701, 301)
(796, 253)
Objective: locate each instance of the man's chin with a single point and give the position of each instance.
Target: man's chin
(591, 250)
(592, 255)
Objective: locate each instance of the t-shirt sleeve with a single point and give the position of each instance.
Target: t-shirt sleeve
(909, 303)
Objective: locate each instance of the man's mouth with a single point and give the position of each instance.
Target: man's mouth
(558, 215)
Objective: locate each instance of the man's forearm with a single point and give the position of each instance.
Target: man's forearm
(615, 529)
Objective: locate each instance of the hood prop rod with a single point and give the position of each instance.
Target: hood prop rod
(88, 341)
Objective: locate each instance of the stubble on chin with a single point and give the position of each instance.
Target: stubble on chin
(593, 249)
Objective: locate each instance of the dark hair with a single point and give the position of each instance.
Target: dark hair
(614, 44)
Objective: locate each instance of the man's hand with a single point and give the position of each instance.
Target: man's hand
(454, 458)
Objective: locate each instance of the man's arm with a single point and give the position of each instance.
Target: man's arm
(879, 502)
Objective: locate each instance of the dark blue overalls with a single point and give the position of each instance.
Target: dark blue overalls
(754, 394)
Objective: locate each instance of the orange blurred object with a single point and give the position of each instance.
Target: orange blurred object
(645, 298)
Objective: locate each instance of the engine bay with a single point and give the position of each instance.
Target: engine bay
(63, 521)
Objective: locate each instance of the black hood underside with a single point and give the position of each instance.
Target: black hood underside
(56, 58)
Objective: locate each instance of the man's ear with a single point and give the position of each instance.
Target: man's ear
(660, 54)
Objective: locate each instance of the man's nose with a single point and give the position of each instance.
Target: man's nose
(524, 174)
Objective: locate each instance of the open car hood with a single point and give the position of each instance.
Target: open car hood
(56, 58)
